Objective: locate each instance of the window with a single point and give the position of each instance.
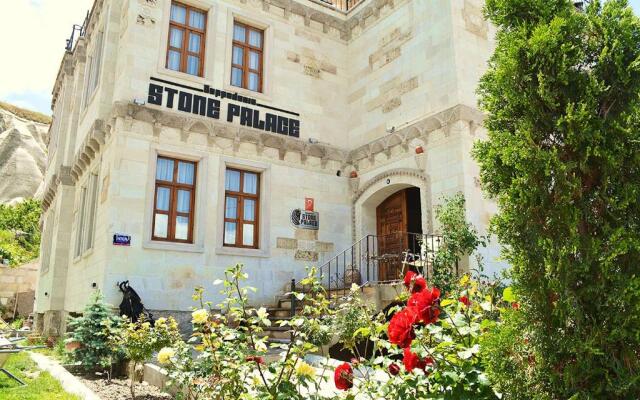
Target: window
(187, 28)
(241, 208)
(174, 200)
(246, 60)
(92, 72)
(86, 217)
(80, 221)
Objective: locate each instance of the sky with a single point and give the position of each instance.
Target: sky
(33, 36)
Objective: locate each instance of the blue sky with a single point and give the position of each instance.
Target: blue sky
(30, 65)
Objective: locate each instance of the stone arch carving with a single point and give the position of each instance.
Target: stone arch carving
(371, 193)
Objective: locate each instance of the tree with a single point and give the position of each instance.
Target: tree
(20, 231)
(91, 336)
(562, 160)
(461, 239)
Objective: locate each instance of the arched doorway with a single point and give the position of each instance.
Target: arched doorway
(398, 230)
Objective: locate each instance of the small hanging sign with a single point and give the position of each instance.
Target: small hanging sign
(121, 240)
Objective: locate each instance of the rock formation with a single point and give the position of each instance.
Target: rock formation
(23, 153)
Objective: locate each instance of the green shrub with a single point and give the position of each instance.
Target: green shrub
(461, 239)
(91, 335)
(563, 162)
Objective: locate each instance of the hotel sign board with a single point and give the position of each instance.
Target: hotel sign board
(305, 219)
(220, 104)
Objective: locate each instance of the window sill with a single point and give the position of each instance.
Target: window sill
(169, 246)
(246, 92)
(239, 251)
(183, 76)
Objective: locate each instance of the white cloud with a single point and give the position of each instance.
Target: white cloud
(33, 36)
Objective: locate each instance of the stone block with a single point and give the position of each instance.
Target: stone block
(286, 243)
(391, 105)
(303, 255)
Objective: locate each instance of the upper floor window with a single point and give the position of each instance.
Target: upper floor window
(241, 210)
(187, 29)
(174, 200)
(92, 72)
(246, 64)
(86, 217)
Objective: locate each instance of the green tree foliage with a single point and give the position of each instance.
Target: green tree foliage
(461, 240)
(563, 163)
(20, 231)
(92, 335)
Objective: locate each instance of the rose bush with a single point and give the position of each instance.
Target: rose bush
(437, 340)
(429, 348)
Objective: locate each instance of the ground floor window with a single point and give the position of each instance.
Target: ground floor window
(242, 208)
(174, 202)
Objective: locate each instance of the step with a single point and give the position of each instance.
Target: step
(280, 312)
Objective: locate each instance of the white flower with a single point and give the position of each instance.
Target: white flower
(164, 356)
(199, 316)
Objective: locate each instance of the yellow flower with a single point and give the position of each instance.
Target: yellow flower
(199, 316)
(165, 355)
(161, 321)
(304, 369)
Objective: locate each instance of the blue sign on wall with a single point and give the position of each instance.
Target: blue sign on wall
(121, 240)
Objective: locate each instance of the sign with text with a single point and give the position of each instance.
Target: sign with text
(305, 219)
(121, 240)
(219, 104)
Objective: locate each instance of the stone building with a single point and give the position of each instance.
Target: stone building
(191, 135)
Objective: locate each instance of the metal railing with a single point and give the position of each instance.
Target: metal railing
(81, 29)
(344, 5)
(364, 262)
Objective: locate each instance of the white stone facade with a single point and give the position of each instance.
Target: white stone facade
(369, 85)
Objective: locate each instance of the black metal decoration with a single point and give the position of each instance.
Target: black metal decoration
(131, 305)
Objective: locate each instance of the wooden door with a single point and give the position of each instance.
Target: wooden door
(391, 218)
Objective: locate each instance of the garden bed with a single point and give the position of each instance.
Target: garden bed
(118, 389)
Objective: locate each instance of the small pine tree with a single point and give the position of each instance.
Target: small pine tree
(93, 332)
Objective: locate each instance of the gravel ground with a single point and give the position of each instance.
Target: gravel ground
(118, 389)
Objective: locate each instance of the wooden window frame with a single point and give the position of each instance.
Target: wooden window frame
(172, 213)
(186, 29)
(239, 220)
(246, 47)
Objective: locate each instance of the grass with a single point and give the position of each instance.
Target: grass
(42, 387)
(26, 114)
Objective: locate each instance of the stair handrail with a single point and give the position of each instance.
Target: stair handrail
(360, 260)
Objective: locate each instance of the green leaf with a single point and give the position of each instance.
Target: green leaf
(508, 295)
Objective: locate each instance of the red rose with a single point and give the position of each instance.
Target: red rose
(411, 361)
(465, 300)
(343, 377)
(257, 359)
(394, 369)
(408, 278)
(426, 304)
(400, 329)
(419, 283)
(515, 306)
